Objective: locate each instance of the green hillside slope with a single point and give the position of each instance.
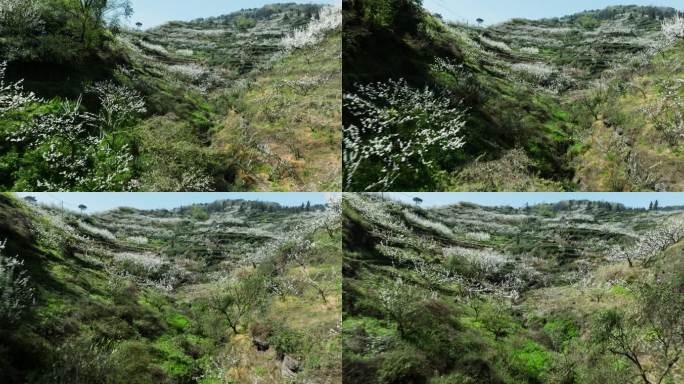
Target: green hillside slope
(542, 294)
(232, 102)
(533, 93)
(232, 291)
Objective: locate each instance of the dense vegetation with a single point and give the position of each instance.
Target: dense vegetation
(589, 101)
(574, 292)
(246, 101)
(228, 292)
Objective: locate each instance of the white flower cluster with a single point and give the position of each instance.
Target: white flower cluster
(673, 28)
(399, 127)
(651, 244)
(495, 44)
(158, 49)
(297, 237)
(530, 50)
(446, 65)
(95, 231)
(147, 262)
(303, 85)
(119, 104)
(70, 124)
(425, 223)
(15, 293)
(486, 260)
(328, 18)
(20, 16)
(539, 72)
(137, 239)
(148, 269)
(191, 71)
(478, 236)
(12, 96)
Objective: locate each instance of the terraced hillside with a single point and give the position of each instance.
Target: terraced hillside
(573, 292)
(228, 292)
(245, 101)
(579, 102)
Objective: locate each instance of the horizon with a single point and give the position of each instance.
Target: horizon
(153, 13)
(520, 199)
(499, 11)
(98, 202)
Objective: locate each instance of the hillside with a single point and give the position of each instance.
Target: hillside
(521, 106)
(227, 292)
(245, 101)
(574, 292)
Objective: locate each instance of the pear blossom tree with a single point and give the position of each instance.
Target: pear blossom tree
(398, 130)
(16, 295)
(12, 95)
(329, 18)
(20, 16)
(120, 105)
(650, 245)
(673, 28)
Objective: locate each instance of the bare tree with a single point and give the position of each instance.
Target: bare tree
(237, 300)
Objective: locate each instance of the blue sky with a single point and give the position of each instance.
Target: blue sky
(98, 202)
(633, 199)
(155, 12)
(497, 11)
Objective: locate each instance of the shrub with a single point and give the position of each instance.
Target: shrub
(405, 365)
(16, 296)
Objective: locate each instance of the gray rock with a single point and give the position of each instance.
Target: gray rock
(290, 367)
(260, 343)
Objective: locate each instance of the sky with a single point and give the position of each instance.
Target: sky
(98, 202)
(632, 199)
(497, 11)
(156, 12)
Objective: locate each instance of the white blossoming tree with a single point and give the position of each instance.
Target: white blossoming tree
(120, 105)
(61, 146)
(329, 18)
(15, 293)
(12, 95)
(397, 132)
(673, 28)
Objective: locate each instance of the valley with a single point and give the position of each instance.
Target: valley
(586, 102)
(233, 291)
(569, 292)
(245, 101)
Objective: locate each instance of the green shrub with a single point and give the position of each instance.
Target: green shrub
(405, 365)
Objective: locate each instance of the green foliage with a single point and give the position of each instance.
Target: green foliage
(244, 23)
(530, 362)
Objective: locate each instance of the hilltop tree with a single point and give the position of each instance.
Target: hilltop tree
(479, 21)
(417, 200)
(139, 25)
(31, 199)
(82, 207)
(93, 14)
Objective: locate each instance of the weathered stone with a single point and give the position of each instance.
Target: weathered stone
(290, 367)
(260, 343)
